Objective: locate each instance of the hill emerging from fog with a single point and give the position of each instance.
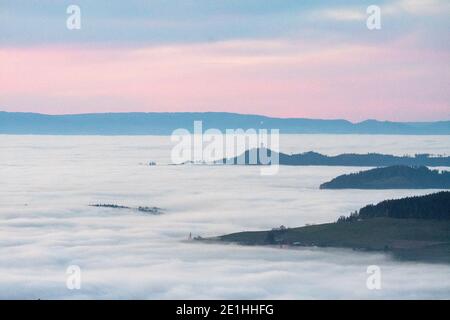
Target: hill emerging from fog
(394, 177)
(412, 228)
(311, 158)
(164, 123)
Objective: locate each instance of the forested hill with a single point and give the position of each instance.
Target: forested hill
(407, 239)
(432, 206)
(414, 228)
(347, 159)
(394, 177)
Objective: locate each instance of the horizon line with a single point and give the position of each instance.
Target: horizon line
(218, 112)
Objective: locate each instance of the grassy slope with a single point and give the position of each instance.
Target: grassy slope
(406, 238)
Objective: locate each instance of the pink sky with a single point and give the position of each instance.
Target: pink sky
(396, 81)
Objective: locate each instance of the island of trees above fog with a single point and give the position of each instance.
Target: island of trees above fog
(432, 206)
(413, 228)
(347, 159)
(394, 177)
(151, 210)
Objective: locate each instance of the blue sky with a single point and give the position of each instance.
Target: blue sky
(164, 21)
(284, 57)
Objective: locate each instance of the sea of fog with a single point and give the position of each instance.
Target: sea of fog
(46, 225)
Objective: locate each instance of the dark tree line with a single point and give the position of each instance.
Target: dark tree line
(345, 159)
(431, 206)
(394, 177)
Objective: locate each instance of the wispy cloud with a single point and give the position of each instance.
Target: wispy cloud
(281, 78)
(418, 7)
(283, 58)
(357, 13)
(340, 14)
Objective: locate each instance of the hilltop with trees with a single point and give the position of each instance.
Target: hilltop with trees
(413, 228)
(432, 206)
(394, 177)
(311, 158)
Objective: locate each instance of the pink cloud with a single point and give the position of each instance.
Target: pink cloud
(397, 81)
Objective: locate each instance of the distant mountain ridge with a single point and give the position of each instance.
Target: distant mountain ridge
(163, 123)
(312, 158)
